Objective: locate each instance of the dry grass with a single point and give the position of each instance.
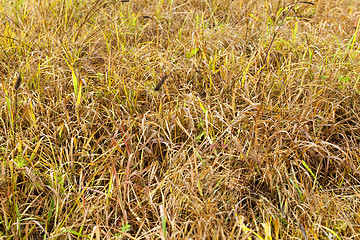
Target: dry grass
(227, 148)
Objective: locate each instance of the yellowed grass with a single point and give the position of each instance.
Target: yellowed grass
(234, 144)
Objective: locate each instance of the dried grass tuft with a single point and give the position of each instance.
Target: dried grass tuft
(231, 148)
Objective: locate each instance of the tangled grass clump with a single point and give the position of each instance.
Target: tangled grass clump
(179, 120)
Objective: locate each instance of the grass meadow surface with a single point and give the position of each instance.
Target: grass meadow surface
(248, 136)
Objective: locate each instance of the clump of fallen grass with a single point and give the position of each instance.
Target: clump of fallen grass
(107, 149)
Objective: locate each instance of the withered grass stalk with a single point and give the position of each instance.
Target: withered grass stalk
(16, 88)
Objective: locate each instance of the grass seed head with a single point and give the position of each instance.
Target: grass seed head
(18, 82)
(158, 86)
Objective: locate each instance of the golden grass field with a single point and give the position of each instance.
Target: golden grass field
(179, 119)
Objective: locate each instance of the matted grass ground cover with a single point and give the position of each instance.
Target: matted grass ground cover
(175, 119)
